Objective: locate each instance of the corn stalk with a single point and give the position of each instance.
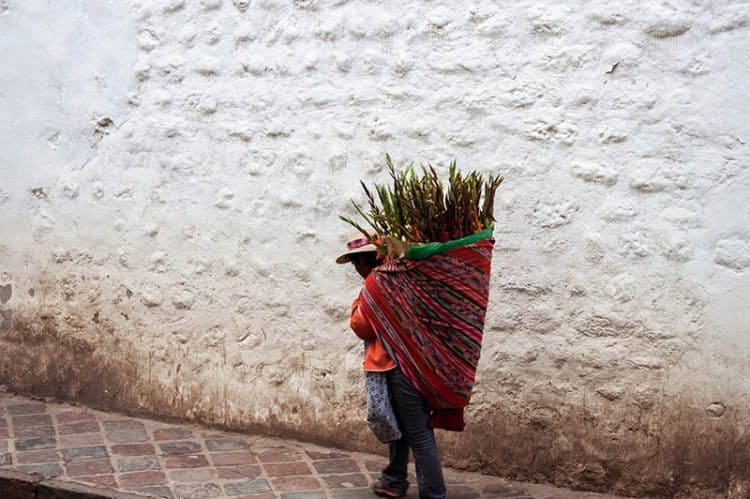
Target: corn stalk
(420, 208)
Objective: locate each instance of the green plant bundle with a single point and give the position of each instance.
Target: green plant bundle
(421, 209)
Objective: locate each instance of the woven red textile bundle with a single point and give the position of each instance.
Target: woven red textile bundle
(430, 313)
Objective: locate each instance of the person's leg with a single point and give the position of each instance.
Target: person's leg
(394, 477)
(420, 479)
(413, 415)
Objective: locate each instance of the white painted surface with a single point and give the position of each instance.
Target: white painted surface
(239, 130)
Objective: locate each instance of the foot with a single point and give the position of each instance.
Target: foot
(383, 490)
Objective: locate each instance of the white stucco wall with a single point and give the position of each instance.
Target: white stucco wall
(171, 174)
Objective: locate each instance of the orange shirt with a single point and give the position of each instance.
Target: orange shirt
(376, 356)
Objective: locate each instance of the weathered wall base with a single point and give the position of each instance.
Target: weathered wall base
(675, 450)
(39, 361)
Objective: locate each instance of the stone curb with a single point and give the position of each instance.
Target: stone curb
(19, 485)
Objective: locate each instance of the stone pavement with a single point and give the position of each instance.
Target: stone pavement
(185, 461)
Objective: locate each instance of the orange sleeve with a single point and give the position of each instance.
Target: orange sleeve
(377, 358)
(359, 324)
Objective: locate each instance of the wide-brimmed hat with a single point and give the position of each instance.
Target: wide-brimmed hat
(357, 243)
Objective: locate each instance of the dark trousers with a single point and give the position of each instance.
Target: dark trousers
(413, 414)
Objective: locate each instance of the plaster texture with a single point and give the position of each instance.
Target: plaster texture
(171, 174)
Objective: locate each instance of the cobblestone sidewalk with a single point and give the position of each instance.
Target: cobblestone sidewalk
(186, 461)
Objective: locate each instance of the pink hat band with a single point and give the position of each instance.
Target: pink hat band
(357, 243)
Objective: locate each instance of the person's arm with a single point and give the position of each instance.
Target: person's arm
(359, 324)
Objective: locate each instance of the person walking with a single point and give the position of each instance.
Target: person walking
(412, 411)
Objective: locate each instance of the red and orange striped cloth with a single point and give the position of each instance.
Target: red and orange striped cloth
(430, 313)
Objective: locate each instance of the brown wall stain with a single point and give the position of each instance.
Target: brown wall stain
(674, 451)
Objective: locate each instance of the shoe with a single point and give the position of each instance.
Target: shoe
(383, 490)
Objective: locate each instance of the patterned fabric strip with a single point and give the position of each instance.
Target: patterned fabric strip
(431, 314)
